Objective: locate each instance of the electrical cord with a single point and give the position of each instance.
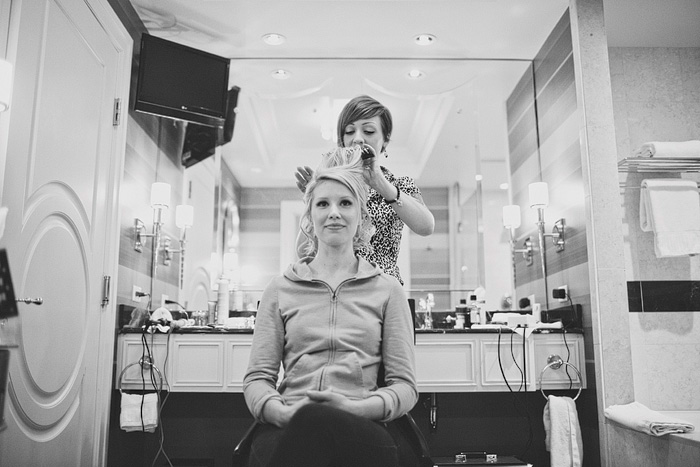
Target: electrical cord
(522, 375)
(147, 353)
(161, 404)
(530, 430)
(520, 406)
(568, 351)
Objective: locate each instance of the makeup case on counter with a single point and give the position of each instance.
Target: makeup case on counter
(479, 459)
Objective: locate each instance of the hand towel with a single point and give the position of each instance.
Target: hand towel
(562, 432)
(131, 410)
(671, 209)
(670, 150)
(639, 417)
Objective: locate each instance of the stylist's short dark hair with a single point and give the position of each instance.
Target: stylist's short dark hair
(363, 107)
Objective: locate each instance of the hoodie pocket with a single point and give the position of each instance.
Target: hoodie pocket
(304, 375)
(344, 375)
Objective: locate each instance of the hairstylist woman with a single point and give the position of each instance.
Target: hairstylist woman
(332, 320)
(393, 201)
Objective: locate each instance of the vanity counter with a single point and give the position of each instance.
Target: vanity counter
(447, 360)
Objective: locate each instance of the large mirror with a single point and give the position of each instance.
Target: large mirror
(449, 100)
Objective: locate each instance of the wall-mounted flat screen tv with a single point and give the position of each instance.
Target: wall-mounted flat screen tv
(181, 82)
(201, 141)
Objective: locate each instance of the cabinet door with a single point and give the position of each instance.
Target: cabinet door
(237, 356)
(570, 348)
(197, 364)
(504, 363)
(132, 349)
(444, 364)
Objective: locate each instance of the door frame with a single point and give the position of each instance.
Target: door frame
(123, 43)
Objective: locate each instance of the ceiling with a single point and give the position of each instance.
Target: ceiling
(448, 123)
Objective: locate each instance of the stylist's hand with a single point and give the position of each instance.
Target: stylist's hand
(374, 177)
(303, 176)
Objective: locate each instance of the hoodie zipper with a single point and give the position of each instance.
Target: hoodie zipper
(331, 326)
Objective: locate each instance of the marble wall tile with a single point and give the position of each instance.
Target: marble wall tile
(652, 74)
(660, 121)
(667, 376)
(617, 73)
(681, 328)
(690, 73)
(622, 133)
(629, 448)
(613, 324)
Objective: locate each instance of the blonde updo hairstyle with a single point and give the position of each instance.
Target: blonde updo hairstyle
(342, 165)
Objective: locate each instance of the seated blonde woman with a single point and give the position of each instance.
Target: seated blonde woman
(332, 320)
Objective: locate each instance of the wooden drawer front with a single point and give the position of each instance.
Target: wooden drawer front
(511, 363)
(198, 365)
(445, 366)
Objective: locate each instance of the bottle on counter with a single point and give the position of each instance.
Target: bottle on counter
(481, 305)
(211, 318)
(473, 310)
(463, 317)
(222, 301)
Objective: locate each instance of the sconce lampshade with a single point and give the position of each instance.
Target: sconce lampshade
(184, 216)
(160, 195)
(539, 195)
(5, 84)
(511, 216)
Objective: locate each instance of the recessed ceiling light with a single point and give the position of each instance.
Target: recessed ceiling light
(274, 39)
(478, 177)
(424, 39)
(415, 74)
(503, 186)
(280, 74)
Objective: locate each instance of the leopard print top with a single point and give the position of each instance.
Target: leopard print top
(387, 239)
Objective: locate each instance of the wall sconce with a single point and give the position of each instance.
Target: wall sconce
(511, 221)
(184, 219)
(160, 201)
(5, 84)
(539, 199)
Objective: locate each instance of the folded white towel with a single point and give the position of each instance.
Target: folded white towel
(639, 417)
(131, 410)
(670, 149)
(562, 432)
(671, 209)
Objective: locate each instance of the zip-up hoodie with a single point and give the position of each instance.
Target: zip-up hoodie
(333, 339)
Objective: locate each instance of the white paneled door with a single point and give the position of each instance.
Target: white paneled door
(63, 167)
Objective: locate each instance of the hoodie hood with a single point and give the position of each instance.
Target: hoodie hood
(300, 270)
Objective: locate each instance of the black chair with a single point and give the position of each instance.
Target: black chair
(405, 425)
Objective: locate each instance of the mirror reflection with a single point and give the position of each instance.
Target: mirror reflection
(450, 135)
(451, 131)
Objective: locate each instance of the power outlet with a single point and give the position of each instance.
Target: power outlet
(134, 293)
(163, 298)
(565, 288)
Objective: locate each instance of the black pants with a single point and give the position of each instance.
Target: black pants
(321, 436)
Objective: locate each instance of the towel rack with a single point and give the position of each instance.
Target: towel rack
(659, 164)
(555, 362)
(141, 362)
